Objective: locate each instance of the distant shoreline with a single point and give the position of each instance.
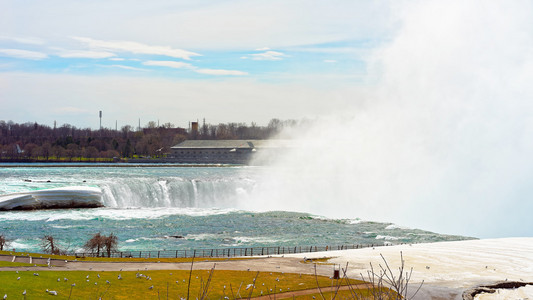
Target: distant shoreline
(112, 165)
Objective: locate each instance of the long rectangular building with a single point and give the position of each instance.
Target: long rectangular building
(223, 151)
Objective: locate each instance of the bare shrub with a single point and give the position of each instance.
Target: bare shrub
(380, 284)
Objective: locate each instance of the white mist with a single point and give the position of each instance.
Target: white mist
(444, 142)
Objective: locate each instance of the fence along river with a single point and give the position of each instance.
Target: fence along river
(225, 252)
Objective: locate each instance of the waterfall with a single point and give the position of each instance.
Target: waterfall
(175, 192)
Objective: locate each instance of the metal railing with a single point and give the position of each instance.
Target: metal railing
(226, 252)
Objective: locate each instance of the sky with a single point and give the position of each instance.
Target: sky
(423, 112)
(179, 61)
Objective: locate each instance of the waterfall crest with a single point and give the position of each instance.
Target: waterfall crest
(175, 192)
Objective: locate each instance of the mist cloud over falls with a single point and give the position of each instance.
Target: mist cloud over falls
(444, 142)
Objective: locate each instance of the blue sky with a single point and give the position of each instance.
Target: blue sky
(249, 54)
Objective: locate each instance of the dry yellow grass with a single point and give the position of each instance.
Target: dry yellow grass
(153, 284)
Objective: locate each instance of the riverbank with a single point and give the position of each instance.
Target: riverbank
(134, 164)
(447, 268)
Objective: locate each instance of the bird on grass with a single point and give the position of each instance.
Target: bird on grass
(119, 277)
(18, 278)
(151, 287)
(24, 293)
(5, 296)
(53, 293)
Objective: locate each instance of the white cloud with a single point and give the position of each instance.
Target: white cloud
(182, 65)
(220, 72)
(24, 54)
(330, 61)
(137, 48)
(170, 64)
(128, 68)
(268, 55)
(24, 40)
(262, 49)
(117, 59)
(86, 54)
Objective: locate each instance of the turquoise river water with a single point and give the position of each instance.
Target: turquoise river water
(209, 207)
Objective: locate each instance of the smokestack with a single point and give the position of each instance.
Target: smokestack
(100, 119)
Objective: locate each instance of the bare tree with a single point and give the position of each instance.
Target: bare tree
(100, 244)
(49, 245)
(96, 244)
(110, 243)
(3, 242)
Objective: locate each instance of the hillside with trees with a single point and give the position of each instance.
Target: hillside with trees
(37, 142)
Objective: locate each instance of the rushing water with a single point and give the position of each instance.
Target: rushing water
(209, 207)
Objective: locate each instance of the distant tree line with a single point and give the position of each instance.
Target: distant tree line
(33, 141)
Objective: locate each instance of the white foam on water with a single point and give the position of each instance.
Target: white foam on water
(355, 221)
(111, 213)
(394, 226)
(19, 244)
(387, 238)
(239, 240)
(202, 236)
(66, 226)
